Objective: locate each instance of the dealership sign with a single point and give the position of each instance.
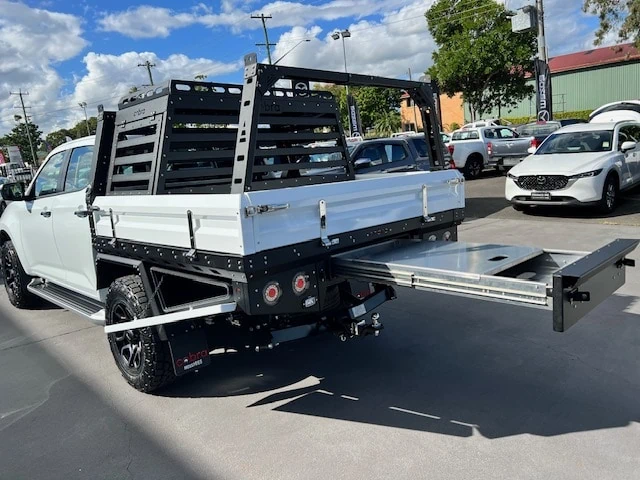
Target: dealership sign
(354, 117)
(543, 92)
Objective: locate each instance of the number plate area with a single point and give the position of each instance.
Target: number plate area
(519, 275)
(540, 196)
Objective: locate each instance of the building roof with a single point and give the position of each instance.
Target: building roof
(593, 58)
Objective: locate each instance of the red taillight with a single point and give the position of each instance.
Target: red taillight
(489, 148)
(272, 293)
(300, 283)
(452, 164)
(451, 148)
(534, 143)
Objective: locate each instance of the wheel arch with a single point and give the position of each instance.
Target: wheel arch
(111, 267)
(615, 173)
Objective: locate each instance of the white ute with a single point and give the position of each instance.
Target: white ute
(171, 230)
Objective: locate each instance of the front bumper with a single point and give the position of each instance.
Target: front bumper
(579, 192)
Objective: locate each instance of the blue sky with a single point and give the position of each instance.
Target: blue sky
(69, 51)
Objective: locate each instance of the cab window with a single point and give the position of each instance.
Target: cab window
(375, 153)
(48, 180)
(395, 152)
(79, 169)
(507, 133)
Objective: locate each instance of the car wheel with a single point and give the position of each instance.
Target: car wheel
(609, 199)
(143, 359)
(15, 278)
(3, 206)
(473, 168)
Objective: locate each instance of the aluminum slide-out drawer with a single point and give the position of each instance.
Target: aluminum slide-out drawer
(569, 283)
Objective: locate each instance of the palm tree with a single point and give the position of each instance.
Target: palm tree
(388, 123)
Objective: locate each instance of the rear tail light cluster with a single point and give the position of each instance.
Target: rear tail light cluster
(272, 292)
(534, 143)
(300, 283)
(451, 148)
(489, 148)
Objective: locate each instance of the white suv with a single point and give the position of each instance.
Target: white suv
(581, 164)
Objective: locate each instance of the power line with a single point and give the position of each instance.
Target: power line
(264, 17)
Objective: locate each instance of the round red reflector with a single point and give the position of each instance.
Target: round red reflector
(271, 293)
(300, 283)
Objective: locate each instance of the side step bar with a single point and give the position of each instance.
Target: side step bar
(94, 310)
(570, 283)
(62, 297)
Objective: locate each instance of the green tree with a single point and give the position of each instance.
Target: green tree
(620, 15)
(388, 123)
(478, 55)
(57, 137)
(18, 136)
(79, 130)
(373, 102)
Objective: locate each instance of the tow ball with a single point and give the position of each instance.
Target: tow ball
(362, 328)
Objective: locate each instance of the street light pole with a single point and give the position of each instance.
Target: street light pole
(83, 105)
(344, 34)
(542, 44)
(291, 49)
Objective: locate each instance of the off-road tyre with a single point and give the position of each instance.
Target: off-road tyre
(610, 191)
(141, 356)
(15, 278)
(473, 167)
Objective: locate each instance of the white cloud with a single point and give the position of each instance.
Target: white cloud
(31, 41)
(109, 78)
(389, 47)
(147, 21)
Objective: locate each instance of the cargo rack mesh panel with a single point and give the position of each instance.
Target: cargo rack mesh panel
(182, 137)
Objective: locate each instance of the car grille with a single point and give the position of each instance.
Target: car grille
(542, 182)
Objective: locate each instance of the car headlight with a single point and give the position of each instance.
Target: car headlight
(511, 176)
(592, 173)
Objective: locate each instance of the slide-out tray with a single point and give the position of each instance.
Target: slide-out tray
(569, 283)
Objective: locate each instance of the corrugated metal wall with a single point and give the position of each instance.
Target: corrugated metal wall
(583, 90)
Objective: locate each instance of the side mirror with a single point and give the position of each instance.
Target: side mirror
(362, 163)
(13, 191)
(626, 146)
(532, 150)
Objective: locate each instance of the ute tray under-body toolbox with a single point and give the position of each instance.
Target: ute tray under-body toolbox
(569, 283)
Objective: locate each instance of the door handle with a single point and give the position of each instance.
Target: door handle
(45, 213)
(85, 213)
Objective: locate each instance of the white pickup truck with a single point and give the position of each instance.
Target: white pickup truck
(169, 228)
(474, 149)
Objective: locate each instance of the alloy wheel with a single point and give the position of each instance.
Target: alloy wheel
(610, 195)
(128, 343)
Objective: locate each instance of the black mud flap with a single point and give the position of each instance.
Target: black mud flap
(581, 286)
(189, 349)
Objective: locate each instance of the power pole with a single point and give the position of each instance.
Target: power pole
(415, 116)
(83, 106)
(542, 44)
(20, 93)
(264, 17)
(148, 65)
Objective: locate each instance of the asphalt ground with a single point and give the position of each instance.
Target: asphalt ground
(452, 389)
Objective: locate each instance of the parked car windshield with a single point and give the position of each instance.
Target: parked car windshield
(537, 129)
(465, 135)
(577, 142)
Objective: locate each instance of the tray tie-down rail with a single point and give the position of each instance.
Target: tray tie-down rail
(571, 284)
